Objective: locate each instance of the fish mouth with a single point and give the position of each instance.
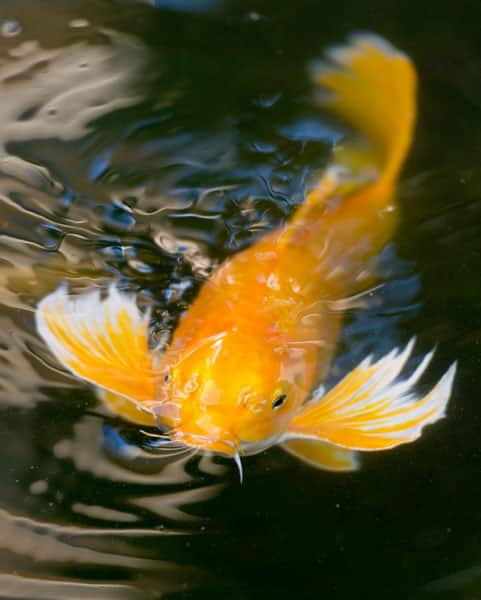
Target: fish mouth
(225, 445)
(228, 447)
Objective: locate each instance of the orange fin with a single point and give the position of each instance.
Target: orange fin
(104, 341)
(370, 409)
(372, 86)
(322, 455)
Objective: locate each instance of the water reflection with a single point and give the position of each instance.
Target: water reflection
(58, 93)
(49, 234)
(91, 513)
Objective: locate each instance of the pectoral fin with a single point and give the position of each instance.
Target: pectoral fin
(371, 410)
(322, 455)
(103, 341)
(128, 410)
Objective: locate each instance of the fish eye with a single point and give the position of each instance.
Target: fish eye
(279, 401)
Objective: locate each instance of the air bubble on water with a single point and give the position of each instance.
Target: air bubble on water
(79, 23)
(10, 28)
(38, 487)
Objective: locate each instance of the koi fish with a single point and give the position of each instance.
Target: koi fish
(243, 368)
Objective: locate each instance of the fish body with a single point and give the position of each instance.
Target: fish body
(242, 370)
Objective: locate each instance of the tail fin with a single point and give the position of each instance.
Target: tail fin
(370, 410)
(372, 86)
(104, 342)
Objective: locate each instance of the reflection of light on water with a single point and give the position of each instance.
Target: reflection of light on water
(58, 547)
(16, 586)
(148, 470)
(53, 94)
(21, 374)
(170, 506)
(119, 520)
(51, 542)
(58, 93)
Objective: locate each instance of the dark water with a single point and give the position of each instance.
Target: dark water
(146, 142)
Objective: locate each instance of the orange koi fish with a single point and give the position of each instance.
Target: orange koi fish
(243, 368)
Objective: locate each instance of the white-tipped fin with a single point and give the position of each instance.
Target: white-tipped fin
(104, 341)
(371, 410)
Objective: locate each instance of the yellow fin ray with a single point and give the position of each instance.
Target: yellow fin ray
(103, 341)
(370, 410)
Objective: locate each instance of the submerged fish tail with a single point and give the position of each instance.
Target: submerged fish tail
(372, 87)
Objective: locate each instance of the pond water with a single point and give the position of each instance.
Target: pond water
(145, 142)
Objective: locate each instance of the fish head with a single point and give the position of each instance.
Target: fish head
(231, 393)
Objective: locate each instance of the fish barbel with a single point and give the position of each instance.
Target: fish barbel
(243, 368)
